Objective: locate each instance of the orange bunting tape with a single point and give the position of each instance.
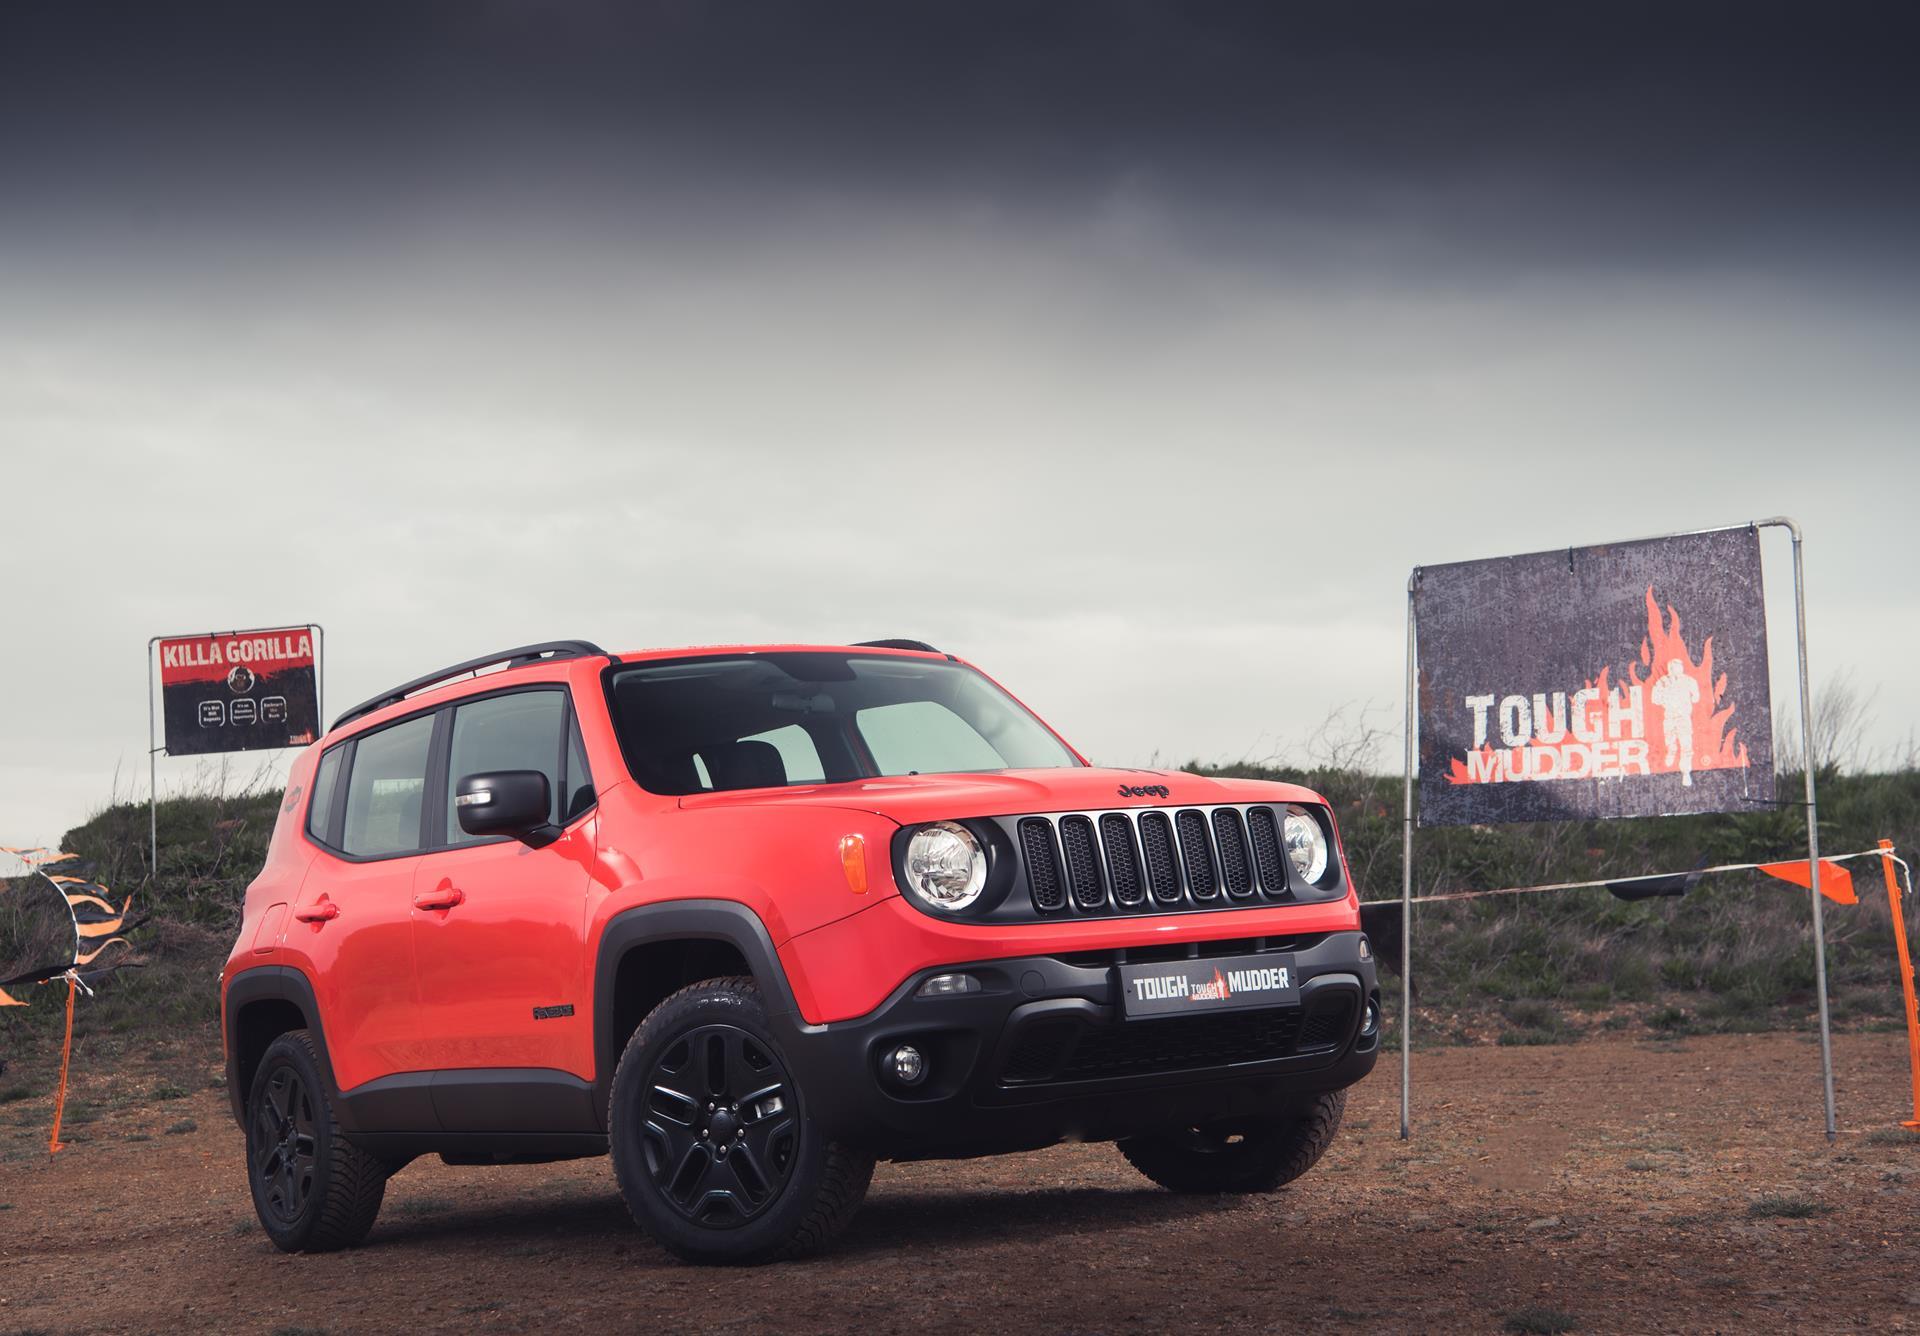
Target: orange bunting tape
(1836, 883)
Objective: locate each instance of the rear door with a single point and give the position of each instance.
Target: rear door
(352, 918)
(498, 926)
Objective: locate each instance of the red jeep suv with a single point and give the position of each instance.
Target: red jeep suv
(749, 918)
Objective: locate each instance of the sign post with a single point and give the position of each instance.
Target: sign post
(1628, 679)
(227, 691)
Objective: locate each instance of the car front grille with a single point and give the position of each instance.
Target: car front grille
(1153, 860)
(1072, 1050)
(1065, 1048)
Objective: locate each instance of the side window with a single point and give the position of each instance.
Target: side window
(521, 731)
(320, 807)
(386, 788)
(918, 736)
(580, 793)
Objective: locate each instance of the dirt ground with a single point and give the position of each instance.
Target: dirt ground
(1605, 1186)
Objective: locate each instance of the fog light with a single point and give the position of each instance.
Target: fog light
(1366, 948)
(1371, 1022)
(946, 985)
(906, 1063)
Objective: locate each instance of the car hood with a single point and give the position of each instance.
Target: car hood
(912, 798)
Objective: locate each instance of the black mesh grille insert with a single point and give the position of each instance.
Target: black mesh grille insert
(1156, 847)
(1039, 1051)
(1084, 1052)
(1123, 869)
(1235, 873)
(1328, 1025)
(1196, 855)
(1043, 869)
(1263, 828)
(1083, 864)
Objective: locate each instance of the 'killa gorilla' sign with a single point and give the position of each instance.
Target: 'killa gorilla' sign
(240, 692)
(1626, 680)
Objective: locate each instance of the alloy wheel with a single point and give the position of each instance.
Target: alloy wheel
(722, 1128)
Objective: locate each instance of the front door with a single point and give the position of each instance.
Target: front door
(498, 925)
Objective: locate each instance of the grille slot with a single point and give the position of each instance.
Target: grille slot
(1123, 868)
(1043, 869)
(1196, 855)
(1263, 828)
(1076, 1051)
(1156, 845)
(1236, 874)
(1083, 864)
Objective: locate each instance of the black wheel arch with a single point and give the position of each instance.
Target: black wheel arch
(730, 926)
(262, 1004)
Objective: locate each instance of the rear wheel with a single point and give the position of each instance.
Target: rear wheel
(1244, 1157)
(313, 1191)
(714, 1151)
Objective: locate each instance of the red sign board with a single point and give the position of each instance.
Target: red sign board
(239, 691)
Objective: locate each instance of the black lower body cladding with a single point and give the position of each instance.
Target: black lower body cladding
(1044, 1051)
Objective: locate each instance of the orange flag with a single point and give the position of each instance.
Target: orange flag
(1836, 883)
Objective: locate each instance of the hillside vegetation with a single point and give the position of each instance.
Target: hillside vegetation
(1735, 953)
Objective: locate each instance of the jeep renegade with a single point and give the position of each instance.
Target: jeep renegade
(748, 919)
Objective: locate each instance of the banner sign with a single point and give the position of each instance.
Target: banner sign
(244, 691)
(1615, 681)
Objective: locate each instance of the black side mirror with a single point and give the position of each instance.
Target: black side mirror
(506, 802)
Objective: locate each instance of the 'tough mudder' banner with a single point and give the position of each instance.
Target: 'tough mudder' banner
(240, 692)
(1625, 680)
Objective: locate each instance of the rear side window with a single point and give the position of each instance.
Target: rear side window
(386, 789)
(521, 731)
(325, 781)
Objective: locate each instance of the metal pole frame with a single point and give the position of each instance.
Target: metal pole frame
(1813, 823)
(1406, 884)
(154, 750)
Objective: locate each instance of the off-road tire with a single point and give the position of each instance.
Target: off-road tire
(824, 1182)
(342, 1184)
(1257, 1158)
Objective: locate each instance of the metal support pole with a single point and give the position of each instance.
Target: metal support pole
(1813, 824)
(153, 776)
(1406, 892)
(319, 679)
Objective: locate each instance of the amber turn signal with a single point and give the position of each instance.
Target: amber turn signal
(853, 862)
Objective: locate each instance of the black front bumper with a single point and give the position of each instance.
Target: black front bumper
(1041, 1053)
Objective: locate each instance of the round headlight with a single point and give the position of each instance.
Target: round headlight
(946, 867)
(1306, 844)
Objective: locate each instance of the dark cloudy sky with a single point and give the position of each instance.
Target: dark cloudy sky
(1135, 351)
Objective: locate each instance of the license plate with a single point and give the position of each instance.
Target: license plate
(1190, 987)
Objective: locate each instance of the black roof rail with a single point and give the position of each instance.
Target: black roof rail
(548, 649)
(895, 644)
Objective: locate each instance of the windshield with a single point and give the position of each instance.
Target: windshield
(766, 720)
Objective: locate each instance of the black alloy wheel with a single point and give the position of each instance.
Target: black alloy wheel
(713, 1146)
(722, 1127)
(285, 1148)
(314, 1190)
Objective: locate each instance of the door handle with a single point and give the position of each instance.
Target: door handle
(320, 912)
(446, 897)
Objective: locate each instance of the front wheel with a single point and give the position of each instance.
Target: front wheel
(712, 1146)
(312, 1189)
(1256, 1157)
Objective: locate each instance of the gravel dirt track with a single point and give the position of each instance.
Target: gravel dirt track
(1618, 1185)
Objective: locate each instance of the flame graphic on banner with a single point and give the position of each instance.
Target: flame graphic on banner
(1666, 683)
(1715, 745)
(96, 921)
